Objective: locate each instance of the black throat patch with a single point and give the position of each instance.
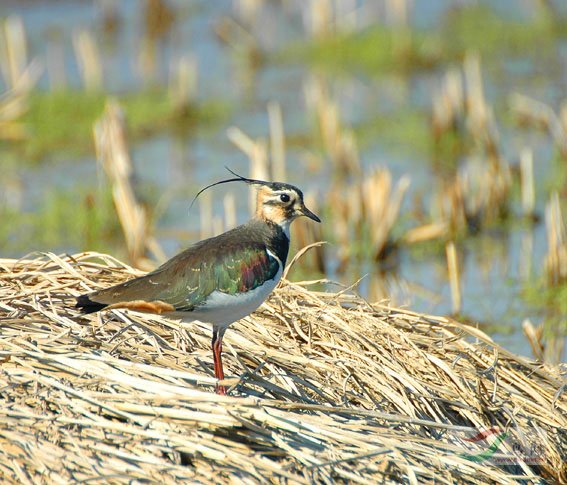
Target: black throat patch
(276, 240)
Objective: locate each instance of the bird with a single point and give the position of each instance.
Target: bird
(221, 279)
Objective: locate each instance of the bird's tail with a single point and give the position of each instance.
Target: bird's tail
(86, 305)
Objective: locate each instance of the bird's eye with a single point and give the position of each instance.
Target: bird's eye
(284, 198)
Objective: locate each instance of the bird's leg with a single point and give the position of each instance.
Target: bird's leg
(217, 359)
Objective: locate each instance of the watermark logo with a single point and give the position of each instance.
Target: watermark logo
(501, 447)
(482, 437)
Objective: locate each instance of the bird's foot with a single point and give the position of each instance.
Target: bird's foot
(221, 390)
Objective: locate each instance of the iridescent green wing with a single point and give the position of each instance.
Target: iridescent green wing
(185, 282)
(238, 270)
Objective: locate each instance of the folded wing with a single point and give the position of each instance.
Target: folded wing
(184, 282)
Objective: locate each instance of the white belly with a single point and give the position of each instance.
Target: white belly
(222, 309)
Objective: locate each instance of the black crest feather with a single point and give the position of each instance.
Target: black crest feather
(238, 178)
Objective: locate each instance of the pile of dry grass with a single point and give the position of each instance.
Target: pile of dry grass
(330, 388)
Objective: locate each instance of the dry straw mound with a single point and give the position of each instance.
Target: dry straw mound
(330, 388)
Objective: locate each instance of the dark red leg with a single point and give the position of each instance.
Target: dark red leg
(217, 359)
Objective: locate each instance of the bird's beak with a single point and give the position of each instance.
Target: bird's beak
(306, 212)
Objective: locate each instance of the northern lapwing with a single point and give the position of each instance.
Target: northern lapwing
(221, 279)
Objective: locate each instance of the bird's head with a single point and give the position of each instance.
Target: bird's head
(276, 202)
(280, 203)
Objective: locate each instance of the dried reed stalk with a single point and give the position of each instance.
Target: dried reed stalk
(13, 106)
(556, 257)
(14, 50)
(460, 106)
(478, 194)
(426, 232)
(339, 142)
(527, 183)
(529, 110)
(88, 59)
(307, 234)
(206, 214)
(183, 81)
(112, 153)
(534, 336)
(480, 191)
(277, 142)
(229, 205)
(19, 74)
(348, 14)
(248, 10)
(327, 388)
(261, 166)
(449, 205)
(398, 14)
(448, 104)
(257, 153)
(324, 18)
(480, 116)
(546, 347)
(454, 276)
(318, 17)
(367, 209)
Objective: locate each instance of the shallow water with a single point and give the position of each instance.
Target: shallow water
(495, 264)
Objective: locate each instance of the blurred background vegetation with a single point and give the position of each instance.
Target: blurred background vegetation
(431, 136)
